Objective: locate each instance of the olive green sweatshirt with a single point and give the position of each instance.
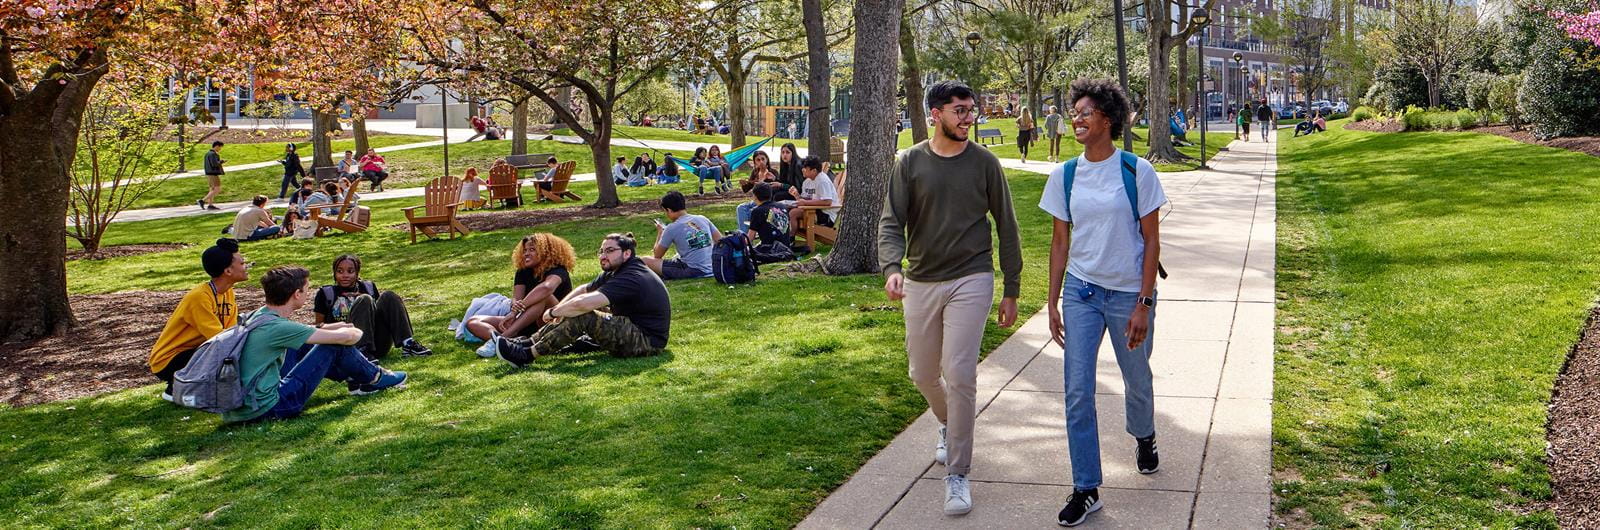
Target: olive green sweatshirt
(936, 217)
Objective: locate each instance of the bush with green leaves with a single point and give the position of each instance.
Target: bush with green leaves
(1560, 95)
(1397, 86)
(1503, 99)
(1467, 119)
(1363, 113)
(1478, 86)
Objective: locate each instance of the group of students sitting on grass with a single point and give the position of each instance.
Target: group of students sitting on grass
(643, 171)
(255, 223)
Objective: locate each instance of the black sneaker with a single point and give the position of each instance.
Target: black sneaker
(201, 203)
(212, 207)
(412, 348)
(1149, 459)
(516, 352)
(1078, 508)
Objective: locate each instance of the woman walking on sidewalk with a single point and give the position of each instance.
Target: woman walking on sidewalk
(1109, 232)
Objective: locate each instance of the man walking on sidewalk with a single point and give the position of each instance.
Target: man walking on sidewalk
(934, 217)
(213, 169)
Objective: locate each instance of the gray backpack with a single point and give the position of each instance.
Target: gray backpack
(211, 382)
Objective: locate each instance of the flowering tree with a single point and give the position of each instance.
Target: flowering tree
(1580, 26)
(52, 56)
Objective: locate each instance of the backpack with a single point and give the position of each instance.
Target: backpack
(731, 261)
(1130, 185)
(366, 286)
(211, 380)
(771, 252)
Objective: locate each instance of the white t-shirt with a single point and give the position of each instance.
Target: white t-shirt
(470, 190)
(248, 219)
(822, 188)
(1107, 248)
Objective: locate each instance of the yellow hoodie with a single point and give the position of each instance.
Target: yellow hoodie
(202, 314)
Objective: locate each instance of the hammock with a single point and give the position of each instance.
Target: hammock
(734, 158)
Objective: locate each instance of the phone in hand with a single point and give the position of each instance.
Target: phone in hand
(659, 226)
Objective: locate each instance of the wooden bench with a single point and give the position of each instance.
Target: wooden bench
(984, 134)
(808, 228)
(558, 191)
(503, 184)
(440, 199)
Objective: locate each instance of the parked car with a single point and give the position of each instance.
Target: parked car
(1322, 106)
(1284, 112)
(1342, 107)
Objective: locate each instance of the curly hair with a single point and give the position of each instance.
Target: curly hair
(1108, 98)
(549, 250)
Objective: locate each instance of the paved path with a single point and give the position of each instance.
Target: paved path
(1213, 382)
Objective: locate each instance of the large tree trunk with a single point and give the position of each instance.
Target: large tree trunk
(519, 128)
(735, 79)
(1158, 98)
(916, 111)
(358, 128)
(600, 151)
(819, 71)
(38, 141)
(872, 136)
(322, 123)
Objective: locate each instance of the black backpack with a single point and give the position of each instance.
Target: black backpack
(731, 261)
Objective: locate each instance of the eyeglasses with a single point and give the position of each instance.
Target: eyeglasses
(1073, 114)
(605, 250)
(962, 111)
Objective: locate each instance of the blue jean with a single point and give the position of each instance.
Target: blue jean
(709, 172)
(306, 367)
(263, 232)
(742, 213)
(1085, 321)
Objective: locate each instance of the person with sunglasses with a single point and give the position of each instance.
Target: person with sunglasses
(1103, 265)
(936, 215)
(637, 324)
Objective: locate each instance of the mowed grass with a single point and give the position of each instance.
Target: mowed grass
(250, 153)
(407, 168)
(1070, 147)
(768, 397)
(1430, 286)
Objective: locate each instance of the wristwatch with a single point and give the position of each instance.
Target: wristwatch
(1147, 301)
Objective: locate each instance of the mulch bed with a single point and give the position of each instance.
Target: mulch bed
(120, 251)
(523, 218)
(105, 353)
(1573, 432)
(242, 135)
(1583, 144)
(1376, 125)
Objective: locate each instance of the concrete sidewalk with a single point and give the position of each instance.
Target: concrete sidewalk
(1213, 382)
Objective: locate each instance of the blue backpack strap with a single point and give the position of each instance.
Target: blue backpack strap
(1069, 169)
(1130, 181)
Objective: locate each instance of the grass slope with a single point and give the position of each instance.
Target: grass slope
(240, 153)
(769, 396)
(1430, 285)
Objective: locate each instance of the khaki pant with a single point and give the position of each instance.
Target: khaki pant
(944, 329)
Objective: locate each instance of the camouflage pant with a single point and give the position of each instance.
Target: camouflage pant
(615, 334)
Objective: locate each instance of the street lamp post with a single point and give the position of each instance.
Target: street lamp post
(973, 39)
(1199, 17)
(1237, 58)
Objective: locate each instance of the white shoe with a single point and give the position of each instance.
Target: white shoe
(940, 454)
(167, 397)
(957, 495)
(489, 349)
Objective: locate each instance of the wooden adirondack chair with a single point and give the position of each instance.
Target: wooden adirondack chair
(349, 219)
(440, 200)
(503, 185)
(558, 191)
(808, 227)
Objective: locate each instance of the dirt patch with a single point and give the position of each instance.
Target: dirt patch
(1376, 125)
(121, 251)
(206, 135)
(1573, 432)
(105, 353)
(524, 218)
(1589, 145)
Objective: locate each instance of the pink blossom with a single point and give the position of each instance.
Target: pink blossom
(1580, 26)
(35, 11)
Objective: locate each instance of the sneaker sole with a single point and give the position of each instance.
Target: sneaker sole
(1149, 471)
(948, 511)
(497, 355)
(360, 392)
(1092, 508)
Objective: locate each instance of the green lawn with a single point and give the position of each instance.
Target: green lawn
(1215, 141)
(407, 168)
(645, 134)
(737, 425)
(240, 154)
(1429, 287)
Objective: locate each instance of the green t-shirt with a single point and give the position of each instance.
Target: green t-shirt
(263, 356)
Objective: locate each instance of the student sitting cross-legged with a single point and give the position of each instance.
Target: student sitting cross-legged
(637, 324)
(205, 311)
(693, 235)
(278, 368)
(544, 263)
(382, 316)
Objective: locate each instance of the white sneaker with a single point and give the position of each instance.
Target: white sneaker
(957, 495)
(940, 454)
(488, 349)
(166, 396)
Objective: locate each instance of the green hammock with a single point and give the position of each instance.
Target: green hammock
(734, 158)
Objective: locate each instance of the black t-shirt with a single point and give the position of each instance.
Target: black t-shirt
(780, 192)
(336, 308)
(770, 222)
(527, 281)
(637, 293)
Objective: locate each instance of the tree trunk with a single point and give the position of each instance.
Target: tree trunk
(600, 151)
(322, 123)
(819, 72)
(564, 98)
(519, 128)
(735, 79)
(872, 136)
(916, 111)
(1183, 70)
(358, 128)
(1157, 98)
(38, 138)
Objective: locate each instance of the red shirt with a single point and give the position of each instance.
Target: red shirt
(371, 162)
(478, 124)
